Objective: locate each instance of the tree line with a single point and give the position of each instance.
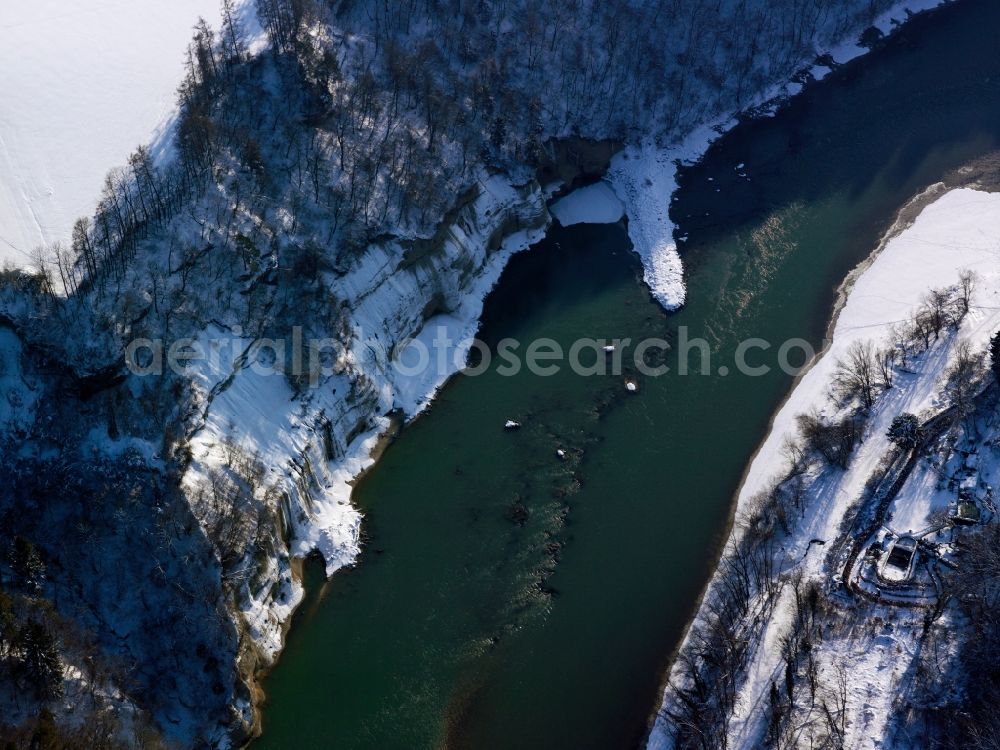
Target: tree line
(384, 112)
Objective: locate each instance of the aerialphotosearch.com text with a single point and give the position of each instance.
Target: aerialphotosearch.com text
(437, 351)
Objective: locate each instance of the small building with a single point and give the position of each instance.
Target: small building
(967, 513)
(967, 488)
(897, 565)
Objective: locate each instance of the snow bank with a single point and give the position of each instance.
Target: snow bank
(958, 231)
(594, 204)
(643, 176)
(83, 84)
(886, 23)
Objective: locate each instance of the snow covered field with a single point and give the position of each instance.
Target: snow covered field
(958, 231)
(83, 84)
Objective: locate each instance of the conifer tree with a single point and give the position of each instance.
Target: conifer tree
(39, 664)
(27, 565)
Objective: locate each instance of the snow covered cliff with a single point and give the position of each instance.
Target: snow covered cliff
(316, 442)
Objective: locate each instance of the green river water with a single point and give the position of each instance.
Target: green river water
(509, 599)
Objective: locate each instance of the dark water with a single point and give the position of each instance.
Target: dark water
(507, 599)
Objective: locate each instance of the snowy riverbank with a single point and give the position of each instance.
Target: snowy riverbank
(292, 433)
(389, 304)
(643, 177)
(954, 233)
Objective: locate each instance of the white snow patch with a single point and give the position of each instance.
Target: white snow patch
(593, 204)
(83, 84)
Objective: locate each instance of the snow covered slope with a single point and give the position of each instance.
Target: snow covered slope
(259, 413)
(83, 84)
(956, 232)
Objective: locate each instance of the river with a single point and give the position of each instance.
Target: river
(506, 598)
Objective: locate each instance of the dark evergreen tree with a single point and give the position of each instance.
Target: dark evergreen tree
(8, 627)
(27, 565)
(230, 37)
(995, 354)
(498, 133)
(38, 664)
(46, 735)
(904, 431)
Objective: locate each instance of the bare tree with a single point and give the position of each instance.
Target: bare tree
(41, 262)
(857, 375)
(886, 366)
(936, 303)
(964, 377)
(966, 288)
(230, 36)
